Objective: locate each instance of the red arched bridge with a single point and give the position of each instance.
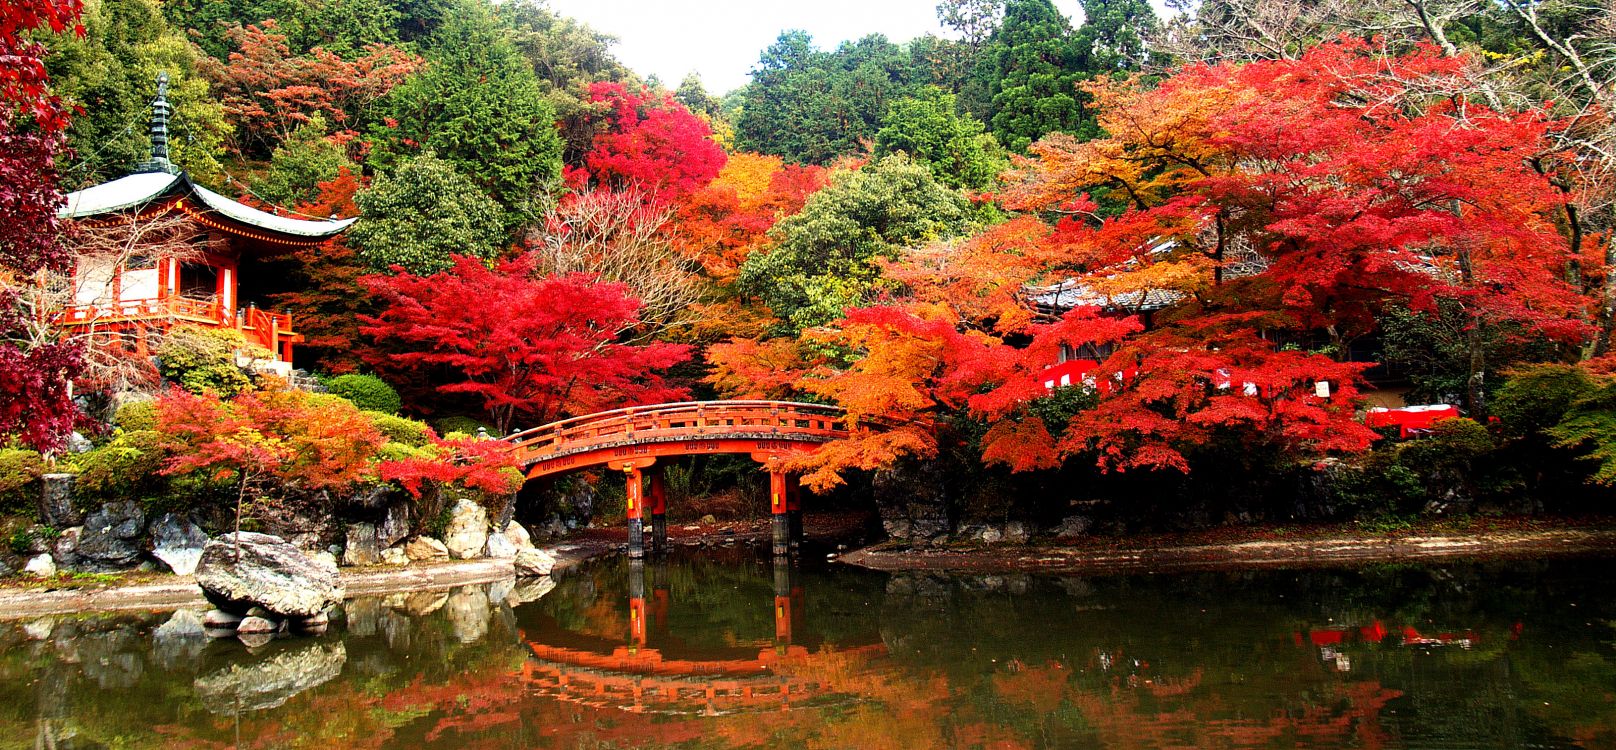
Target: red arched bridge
(631, 440)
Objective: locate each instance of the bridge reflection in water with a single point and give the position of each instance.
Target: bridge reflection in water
(655, 672)
(634, 439)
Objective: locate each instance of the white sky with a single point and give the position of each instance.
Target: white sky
(722, 39)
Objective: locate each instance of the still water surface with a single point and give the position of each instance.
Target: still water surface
(721, 649)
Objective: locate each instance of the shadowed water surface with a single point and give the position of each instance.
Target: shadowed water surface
(721, 648)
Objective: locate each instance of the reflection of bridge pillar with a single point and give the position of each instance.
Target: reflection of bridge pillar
(657, 504)
(787, 602)
(636, 603)
(794, 510)
(660, 596)
(636, 509)
(779, 508)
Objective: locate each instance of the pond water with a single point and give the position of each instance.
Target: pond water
(719, 648)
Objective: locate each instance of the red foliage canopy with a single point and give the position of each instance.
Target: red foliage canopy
(648, 141)
(34, 376)
(527, 348)
(268, 92)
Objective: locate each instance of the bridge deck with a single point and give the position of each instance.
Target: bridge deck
(691, 428)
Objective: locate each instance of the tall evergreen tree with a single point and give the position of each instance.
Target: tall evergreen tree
(110, 74)
(479, 106)
(929, 128)
(811, 106)
(1112, 37)
(1031, 66)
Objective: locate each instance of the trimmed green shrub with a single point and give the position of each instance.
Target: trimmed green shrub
(458, 424)
(399, 430)
(136, 415)
(202, 360)
(19, 477)
(1589, 427)
(124, 469)
(367, 392)
(1537, 397)
(1453, 445)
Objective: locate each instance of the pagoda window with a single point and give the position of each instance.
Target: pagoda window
(93, 283)
(198, 281)
(139, 279)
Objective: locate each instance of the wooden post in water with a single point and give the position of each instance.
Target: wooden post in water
(658, 505)
(779, 480)
(636, 509)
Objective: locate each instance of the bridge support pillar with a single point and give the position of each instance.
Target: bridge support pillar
(657, 503)
(779, 509)
(636, 512)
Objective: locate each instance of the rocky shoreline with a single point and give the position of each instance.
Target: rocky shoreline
(1168, 556)
(179, 592)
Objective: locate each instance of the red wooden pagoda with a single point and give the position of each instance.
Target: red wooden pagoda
(143, 296)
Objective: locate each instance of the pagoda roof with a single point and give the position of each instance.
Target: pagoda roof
(141, 189)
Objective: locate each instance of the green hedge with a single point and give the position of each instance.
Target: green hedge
(368, 392)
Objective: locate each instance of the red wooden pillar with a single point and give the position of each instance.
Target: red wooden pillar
(657, 503)
(636, 510)
(779, 482)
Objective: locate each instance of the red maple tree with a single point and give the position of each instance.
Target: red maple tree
(268, 92)
(646, 141)
(1257, 219)
(525, 348)
(35, 402)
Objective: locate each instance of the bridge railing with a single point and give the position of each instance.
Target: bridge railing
(689, 419)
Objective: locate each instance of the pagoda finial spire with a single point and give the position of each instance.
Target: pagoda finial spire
(159, 131)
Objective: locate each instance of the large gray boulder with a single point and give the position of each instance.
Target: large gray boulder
(532, 562)
(56, 506)
(268, 573)
(395, 525)
(111, 536)
(467, 533)
(270, 682)
(425, 548)
(364, 545)
(499, 547)
(178, 543)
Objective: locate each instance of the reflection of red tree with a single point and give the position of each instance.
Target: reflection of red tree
(1139, 711)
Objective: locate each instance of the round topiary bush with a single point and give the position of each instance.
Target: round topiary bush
(399, 430)
(367, 392)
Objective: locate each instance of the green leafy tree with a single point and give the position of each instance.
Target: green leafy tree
(827, 257)
(479, 106)
(209, 22)
(974, 22)
(1112, 37)
(811, 106)
(566, 55)
(110, 74)
(1031, 68)
(423, 214)
(694, 96)
(301, 163)
(347, 26)
(929, 129)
